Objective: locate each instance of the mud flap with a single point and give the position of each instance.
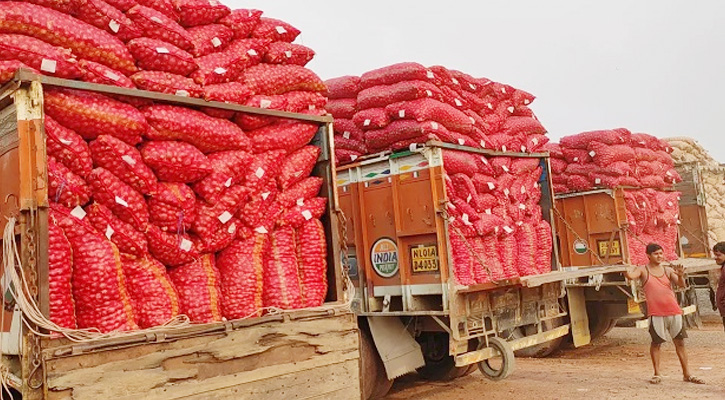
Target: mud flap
(400, 353)
(578, 316)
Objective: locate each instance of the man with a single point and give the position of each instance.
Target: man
(719, 252)
(663, 311)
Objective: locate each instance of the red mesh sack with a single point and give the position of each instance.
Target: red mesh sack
(65, 187)
(381, 96)
(278, 79)
(206, 133)
(560, 188)
(523, 111)
(647, 141)
(221, 238)
(372, 118)
(488, 251)
(232, 92)
(608, 137)
(228, 64)
(528, 248)
(10, 67)
(488, 224)
(154, 298)
(456, 162)
(67, 147)
(252, 212)
(126, 203)
(157, 55)
(165, 7)
(478, 264)
(198, 285)
(105, 16)
(99, 287)
(59, 29)
(578, 183)
(462, 260)
(250, 122)
(241, 268)
(123, 235)
(98, 73)
(604, 155)
(200, 12)
(286, 135)
(228, 169)
(60, 268)
(581, 169)
(645, 154)
(275, 30)
(297, 166)
(172, 207)
(300, 101)
(263, 168)
(346, 156)
(507, 254)
(653, 181)
(557, 165)
(343, 87)
(281, 279)
(156, 25)
(484, 183)
(174, 161)
(501, 165)
(123, 5)
(576, 155)
(466, 190)
(350, 144)
(431, 110)
(242, 22)
(619, 168)
(219, 216)
(406, 71)
(91, 114)
(64, 6)
(523, 126)
(209, 39)
(312, 262)
(672, 176)
(301, 191)
(123, 161)
(170, 248)
(347, 129)
(554, 150)
(544, 248)
(521, 166)
(288, 53)
(37, 54)
(165, 82)
(310, 209)
(342, 108)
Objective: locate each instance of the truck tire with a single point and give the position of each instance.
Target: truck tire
(508, 361)
(375, 382)
(439, 364)
(544, 349)
(600, 321)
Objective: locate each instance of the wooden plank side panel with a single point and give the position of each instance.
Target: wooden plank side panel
(242, 362)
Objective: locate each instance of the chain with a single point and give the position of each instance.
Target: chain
(34, 382)
(571, 229)
(342, 220)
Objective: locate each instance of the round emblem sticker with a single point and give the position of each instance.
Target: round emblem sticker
(384, 256)
(580, 246)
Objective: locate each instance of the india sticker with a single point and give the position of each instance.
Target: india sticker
(384, 257)
(580, 246)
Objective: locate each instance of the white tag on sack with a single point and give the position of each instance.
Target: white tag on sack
(669, 203)
(280, 29)
(115, 26)
(679, 222)
(428, 93)
(220, 70)
(261, 230)
(112, 76)
(232, 228)
(228, 183)
(265, 195)
(508, 229)
(259, 172)
(576, 159)
(523, 149)
(527, 101)
(472, 86)
(121, 201)
(454, 80)
(252, 52)
(48, 65)
(522, 206)
(597, 181)
(216, 42)
(434, 125)
(523, 190)
(162, 50)
(185, 245)
(503, 90)
(535, 141)
(505, 168)
(225, 217)
(484, 160)
(491, 186)
(346, 134)
(353, 157)
(109, 232)
(592, 153)
(506, 192)
(483, 144)
(66, 142)
(451, 206)
(461, 142)
(668, 173)
(466, 222)
(469, 198)
(495, 230)
(307, 214)
(473, 120)
(157, 20)
(504, 148)
(265, 103)
(182, 93)
(536, 185)
(78, 212)
(128, 159)
(430, 74)
(367, 122)
(520, 223)
(288, 53)
(300, 202)
(401, 113)
(312, 107)
(511, 109)
(488, 211)
(490, 106)
(458, 102)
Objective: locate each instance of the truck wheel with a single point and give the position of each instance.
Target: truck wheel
(439, 364)
(544, 349)
(375, 382)
(501, 366)
(600, 322)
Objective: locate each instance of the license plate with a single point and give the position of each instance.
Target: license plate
(633, 307)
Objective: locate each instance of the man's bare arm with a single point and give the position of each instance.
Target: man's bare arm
(633, 273)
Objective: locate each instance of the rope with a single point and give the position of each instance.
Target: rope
(571, 229)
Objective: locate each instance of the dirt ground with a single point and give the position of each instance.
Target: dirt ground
(616, 366)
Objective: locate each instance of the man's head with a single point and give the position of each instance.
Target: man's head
(719, 252)
(655, 253)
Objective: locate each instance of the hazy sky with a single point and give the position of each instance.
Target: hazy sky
(650, 66)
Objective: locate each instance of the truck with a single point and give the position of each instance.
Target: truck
(304, 354)
(412, 312)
